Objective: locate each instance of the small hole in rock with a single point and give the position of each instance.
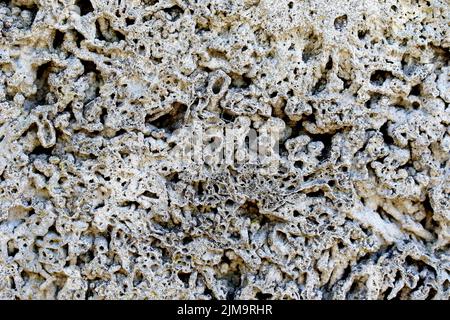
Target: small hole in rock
(378, 77)
(362, 34)
(58, 39)
(340, 22)
(415, 91)
(184, 277)
(85, 7)
(217, 85)
(129, 21)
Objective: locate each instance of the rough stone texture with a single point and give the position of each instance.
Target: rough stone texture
(94, 95)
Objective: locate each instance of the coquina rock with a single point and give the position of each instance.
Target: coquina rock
(226, 149)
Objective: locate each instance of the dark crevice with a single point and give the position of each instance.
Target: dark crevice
(58, 39)
(296, 127)
(119, 35)
(85, 6)
(340, 22)
(200, 190)
(415, 91)
(427, 205)
(374, 99)
(431, 294)
(240, 81)
(42, 74)
(299, 165)
(329, 64)
(362, 34)
(103, 116)
(387, 293)
(386, 137)
(384, 215)
(173, 119)
(89, 66)
(208, 292)
(78, 38)
(378, 77)
(217, 86)
(346, 82)
(228, 116)
(150, 195)
(173, 178)
(107, 33)
(98, 33)
(326, 139)
(428, 223)
(130, 21)
(186, 240)
(315, 194)
(184, 277)
(12, 250)
(174, 12)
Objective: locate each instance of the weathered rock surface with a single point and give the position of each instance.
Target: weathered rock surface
(95, 96)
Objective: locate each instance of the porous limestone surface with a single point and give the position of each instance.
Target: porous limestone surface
(349, 201)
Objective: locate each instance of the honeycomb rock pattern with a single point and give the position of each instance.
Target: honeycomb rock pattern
(95, 96)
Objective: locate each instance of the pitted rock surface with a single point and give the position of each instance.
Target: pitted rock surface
(96, 94)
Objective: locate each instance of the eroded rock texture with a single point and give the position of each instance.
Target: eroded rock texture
(94, 95)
